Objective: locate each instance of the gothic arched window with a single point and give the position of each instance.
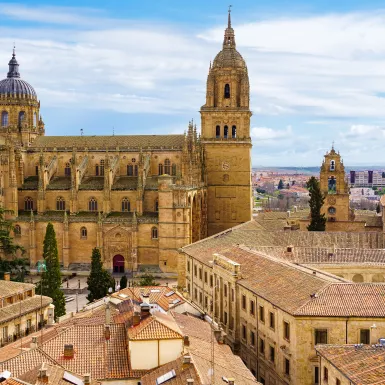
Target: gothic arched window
(217, 131)
(93, 204)
(83, 233)
(136, 170)
(60, 204)
(21, 117)
(154, 233)
(4, 119)
(101, 169)
(234, 131)
(167, 167)
(173, 169)
(67, 169)
(130, 170)
(28, 204)
(227, 91)
(125, 204)
(37, 169)
(160, 169)
(225, 132)
(157, 205)
(17, 231)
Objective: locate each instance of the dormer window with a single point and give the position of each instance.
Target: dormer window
(227, 91)
(332, 165)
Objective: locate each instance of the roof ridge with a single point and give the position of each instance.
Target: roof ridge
(168, 327)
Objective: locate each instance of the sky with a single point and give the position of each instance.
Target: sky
(317, 70)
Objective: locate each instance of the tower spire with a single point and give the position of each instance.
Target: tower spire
(229, 17)
(13, 66)
(229, 40)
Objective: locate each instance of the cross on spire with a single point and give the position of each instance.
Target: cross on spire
(229, 17)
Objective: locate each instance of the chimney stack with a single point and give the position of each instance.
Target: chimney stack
(146, 298)
(186, 361)
(231, 381)
(7, 276)
(108, 314)
(34, 342)
(107, 332)
(68, 351)
(136, 319)
(186, 341)
(87, 379)
(190, 381)
(43, 376)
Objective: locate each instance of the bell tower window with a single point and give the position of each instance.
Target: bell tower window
(227, 91)
(217, 131)
(226, 132)
(4, 119)
(332, 165)
(234, 131)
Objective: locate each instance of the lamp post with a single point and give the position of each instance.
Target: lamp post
(41, 267)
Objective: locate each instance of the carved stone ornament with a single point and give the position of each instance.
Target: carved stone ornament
(332, 200)
(225, 165)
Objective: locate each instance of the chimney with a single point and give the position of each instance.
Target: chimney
(107, 332)
(87, 379)
(34, 342)
(231, 381)
(186, 362)
(68, 351)
(43, 376)
(7, 276)
(189, 381)
(186, 341)
(146, 298)
(136, 319)
(108, 314)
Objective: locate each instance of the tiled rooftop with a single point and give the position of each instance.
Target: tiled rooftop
(361, 365)
(101, 142)
(26, 306)
(8, 288)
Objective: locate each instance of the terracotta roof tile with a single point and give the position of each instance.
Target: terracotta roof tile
(362, 365)
(8, 288)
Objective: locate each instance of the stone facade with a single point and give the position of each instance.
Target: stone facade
(137, 198)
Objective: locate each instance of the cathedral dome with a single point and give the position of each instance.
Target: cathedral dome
(13, 85)
(229, 57)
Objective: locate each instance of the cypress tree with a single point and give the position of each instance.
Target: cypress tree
(51, 278)
(123, 282)
(318, 220)
(99, 280)
(280, 185)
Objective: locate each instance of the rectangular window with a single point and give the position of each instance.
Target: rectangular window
(232, 295)
(205, 276)
(365, 336)
(211, 281)
(252, 307)
(252, 338)
(189, 288)
(195, 294)
(195, 270)
(200, 298)
(225, 317)
(338, 382)
(200, 274)
(29, 323)
(225, 290)
(287, 367)
(244, 332)
(17, 329)
(326, 374)
(262, 314)
(272, 354)
(188, 266)
(5, 333)
(272, 320)
(206, 302)
(316, 375)
(261, 346)
(321, 336)
(286, 330)
(244, 302)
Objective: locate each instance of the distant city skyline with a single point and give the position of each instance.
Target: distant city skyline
(317, 72)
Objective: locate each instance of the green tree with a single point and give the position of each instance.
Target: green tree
(51, 278)
(280, 185)
(123, 282)
(318, 220)
(146, 280)
(99, 280)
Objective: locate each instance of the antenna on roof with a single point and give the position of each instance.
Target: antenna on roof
(81, 132)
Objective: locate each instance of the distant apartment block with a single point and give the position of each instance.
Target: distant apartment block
(367, 178)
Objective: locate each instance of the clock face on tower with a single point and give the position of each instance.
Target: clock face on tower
(225, 165)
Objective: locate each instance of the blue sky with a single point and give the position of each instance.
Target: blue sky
(317, 71)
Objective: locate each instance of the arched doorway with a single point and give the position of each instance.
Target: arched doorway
(118, 264)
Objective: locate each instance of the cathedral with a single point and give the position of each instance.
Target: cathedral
(138, 198)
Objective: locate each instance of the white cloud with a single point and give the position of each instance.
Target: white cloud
(266, 133)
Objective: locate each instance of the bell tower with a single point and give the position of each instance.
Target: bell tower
(226, 138)
(335, 188)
